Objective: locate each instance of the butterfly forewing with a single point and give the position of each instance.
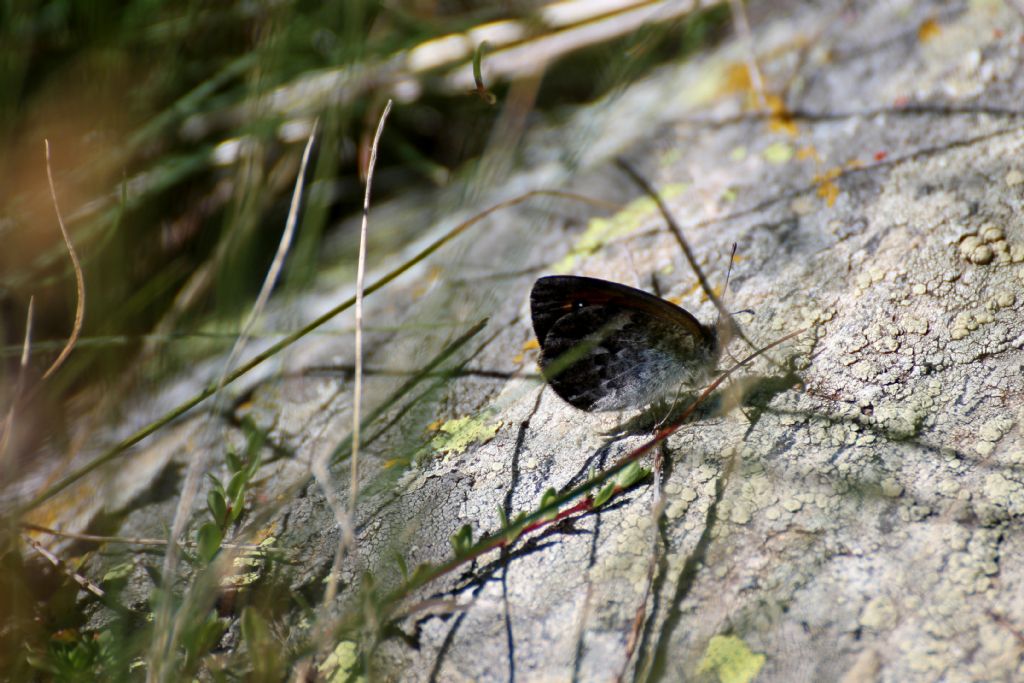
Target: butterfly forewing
(606, 346)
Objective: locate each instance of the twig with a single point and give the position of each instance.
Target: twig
(727, 325)
(63, 566)
(128, 540)
(79, 278)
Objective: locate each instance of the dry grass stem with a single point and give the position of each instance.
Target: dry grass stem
(79, 278)
(357, 394)
(127, 540)
(63, 566)
(347, 520)
(26, 347)
(165, 643)
(739, 17)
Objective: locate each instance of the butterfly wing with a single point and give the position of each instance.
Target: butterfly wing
(606, 346)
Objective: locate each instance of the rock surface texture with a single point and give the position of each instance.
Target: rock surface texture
(855, 517)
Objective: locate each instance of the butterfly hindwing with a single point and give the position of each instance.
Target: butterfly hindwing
(606, 346)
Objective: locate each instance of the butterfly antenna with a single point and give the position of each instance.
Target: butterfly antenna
(728, 271)
(727, 327)
(725, 289)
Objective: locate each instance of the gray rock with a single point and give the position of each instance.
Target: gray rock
(859, 522)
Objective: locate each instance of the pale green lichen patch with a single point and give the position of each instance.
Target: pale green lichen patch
(1001, 299)
(869, 277)
(993, 430)
(969, 321)
(973, 250)
(248, 567)
(1005, 492)
(913, 325)
(986, 245)
(865, 370)
(891, 488)
(905, 418)
(731, 660)
(341, 664)
(803, 205)
(879, 614)
(601, 231)
(777, 153)
(455, 436)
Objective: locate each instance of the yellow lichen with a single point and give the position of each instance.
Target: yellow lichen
(731, 660)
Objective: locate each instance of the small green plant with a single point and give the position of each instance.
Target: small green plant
(76, 658)
(225, 503)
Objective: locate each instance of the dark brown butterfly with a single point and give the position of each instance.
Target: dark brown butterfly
(606, 346)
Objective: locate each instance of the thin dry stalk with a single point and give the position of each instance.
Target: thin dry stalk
(197, 464)
(347, 520)
(657, 510)
(739, 17)
(63, 566)
(8, 429)
(128, 540)
(728, 328)
(79, 278)
(357, 393)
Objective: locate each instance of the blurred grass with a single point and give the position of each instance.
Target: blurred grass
(138, 100)
(142, 101)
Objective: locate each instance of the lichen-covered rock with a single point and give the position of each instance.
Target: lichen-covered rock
(857, 521)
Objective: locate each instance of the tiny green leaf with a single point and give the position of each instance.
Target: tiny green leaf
(631, 474)
(514, 529)
(208, 540)
(254, 464)
(604, 495)
(119, 572)
(217, 506)
(478, 76)
(238, 504)
(548, 498)
(462, 540)
(237, 483)
(234, 462)
(216, 484)
(403, 568)
(421, 572)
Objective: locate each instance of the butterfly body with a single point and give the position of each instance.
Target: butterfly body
(606, 346)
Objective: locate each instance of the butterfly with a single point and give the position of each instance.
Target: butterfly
(606, 346)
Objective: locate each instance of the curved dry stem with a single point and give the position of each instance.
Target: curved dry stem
(79, 278)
